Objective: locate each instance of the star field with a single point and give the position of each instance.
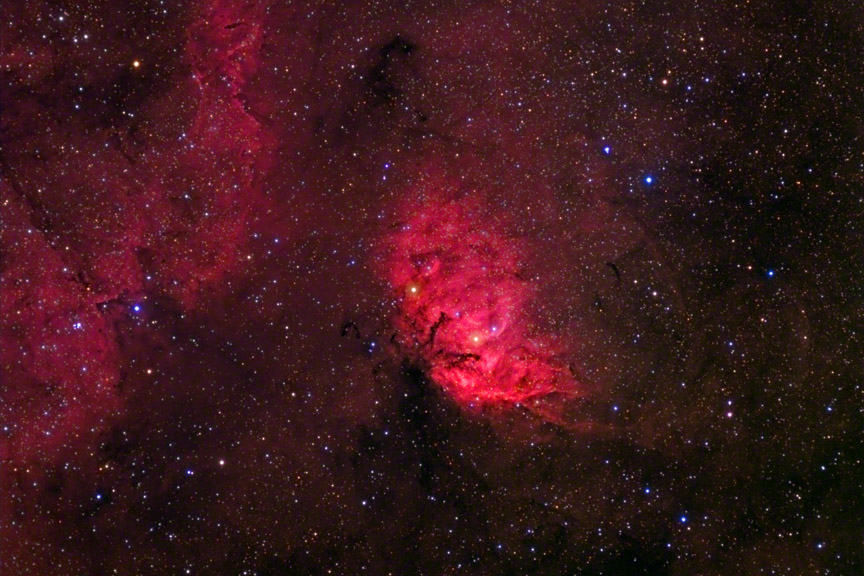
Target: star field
(431, 288)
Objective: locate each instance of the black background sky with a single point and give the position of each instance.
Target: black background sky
(432, 288)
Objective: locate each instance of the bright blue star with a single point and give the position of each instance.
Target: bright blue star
(607, 150)
(770, 273)
(649, 179)
(136, 308)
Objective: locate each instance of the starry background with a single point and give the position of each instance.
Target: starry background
(231, 230)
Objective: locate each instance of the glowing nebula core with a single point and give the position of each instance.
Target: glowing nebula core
(465, 303)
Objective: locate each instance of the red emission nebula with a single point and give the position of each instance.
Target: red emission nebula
(464, 302)
(66, 282)
(451, 287)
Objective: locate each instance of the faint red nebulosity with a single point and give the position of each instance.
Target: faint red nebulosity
(179, 214)
(465, 306)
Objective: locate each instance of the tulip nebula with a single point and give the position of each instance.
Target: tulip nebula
(464, 303)
(457, 287)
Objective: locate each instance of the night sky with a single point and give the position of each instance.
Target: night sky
(420, 288)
